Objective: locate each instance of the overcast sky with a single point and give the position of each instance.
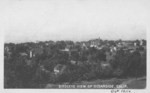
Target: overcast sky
(31, 20)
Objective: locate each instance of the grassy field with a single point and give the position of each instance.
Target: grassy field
(139, 83)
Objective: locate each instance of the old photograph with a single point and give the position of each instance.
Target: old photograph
(75, 44)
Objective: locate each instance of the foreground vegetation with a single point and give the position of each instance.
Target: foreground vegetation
(91, 64)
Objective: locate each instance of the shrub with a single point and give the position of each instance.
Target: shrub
(118, 72)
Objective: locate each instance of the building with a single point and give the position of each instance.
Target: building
(59, 69)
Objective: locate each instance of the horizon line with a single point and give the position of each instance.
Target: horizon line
(35, 41)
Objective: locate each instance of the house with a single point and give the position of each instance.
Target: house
(47, 43)
(141, 42)
(6, 48)
(113, 49)
(119, 45)
(105, 65)
(84, 46)
(127, 43)
(7, 51)
(73, 62)
(95, 43)
(42, 68)
(59, 69)
(65, 50)
(135, 44)
(23, 54)
(35, 52)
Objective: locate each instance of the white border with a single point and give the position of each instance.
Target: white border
(2, 90)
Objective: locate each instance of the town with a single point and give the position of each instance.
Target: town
(37, 64)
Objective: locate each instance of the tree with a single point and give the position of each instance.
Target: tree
(134, 64)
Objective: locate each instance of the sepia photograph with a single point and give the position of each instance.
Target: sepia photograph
(75, 44)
